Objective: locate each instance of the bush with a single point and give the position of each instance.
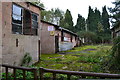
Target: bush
(114, 57)
(26, 59)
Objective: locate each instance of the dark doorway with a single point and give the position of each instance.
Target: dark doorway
(56, 44)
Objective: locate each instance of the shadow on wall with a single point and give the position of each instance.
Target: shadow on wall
(63, 46)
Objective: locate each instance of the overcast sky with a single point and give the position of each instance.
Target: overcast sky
(77, 6)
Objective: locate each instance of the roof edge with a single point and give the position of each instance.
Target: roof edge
(36, 5)
(49, 23)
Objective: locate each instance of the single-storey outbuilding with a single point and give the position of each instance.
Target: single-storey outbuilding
(55, 38)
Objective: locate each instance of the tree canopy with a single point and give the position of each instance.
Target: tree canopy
(80, 25)
(115, 16)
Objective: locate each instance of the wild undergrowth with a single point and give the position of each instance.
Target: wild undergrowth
(88, 58)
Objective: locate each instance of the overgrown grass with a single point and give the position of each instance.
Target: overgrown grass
(89, 61)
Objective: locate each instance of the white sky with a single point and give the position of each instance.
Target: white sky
(77, 6)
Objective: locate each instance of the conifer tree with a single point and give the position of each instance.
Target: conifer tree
(105, 20)
(97, 20)
(80, 25)
(68, 21)
(90, 20)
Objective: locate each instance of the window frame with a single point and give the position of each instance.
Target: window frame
(32, 20)
(22, 24)
(18, 16)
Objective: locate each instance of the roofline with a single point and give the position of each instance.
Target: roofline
(36, 5)
(49, 23)
(68, 31)
(60, 28)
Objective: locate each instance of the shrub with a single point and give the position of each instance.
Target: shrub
(26, 59)
(114, 57)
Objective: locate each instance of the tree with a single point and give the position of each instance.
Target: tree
(90, 20)
(115, 16)
(89, 37)
(53, 15)
(68, 21)
(115, 57)
(94, 17)
(80, 25)
(105, 21)
(38, 3)
(58, 14)
(47, 15)
(97, 20)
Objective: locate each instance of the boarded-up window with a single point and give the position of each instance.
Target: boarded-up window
(34, 24)
(26, 22)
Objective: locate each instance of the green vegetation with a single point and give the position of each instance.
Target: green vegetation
(89, 58)
(115, 13)
(112, 61)
(26, 59)
(85, 58)
(19, 75)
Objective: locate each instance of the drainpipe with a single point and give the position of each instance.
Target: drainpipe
(40, 37)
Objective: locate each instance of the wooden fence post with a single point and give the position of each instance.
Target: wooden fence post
(68, 77)
(54, 76)
(35, 74)
(41, 70)
(24, 75)
(6, 69)
(14, 74)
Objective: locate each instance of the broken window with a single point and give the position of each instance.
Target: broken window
(24, 21)
(17, 20)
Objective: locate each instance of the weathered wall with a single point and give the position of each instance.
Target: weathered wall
(0, 32)
(0, 39)
(47, 41)
(26, 43)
